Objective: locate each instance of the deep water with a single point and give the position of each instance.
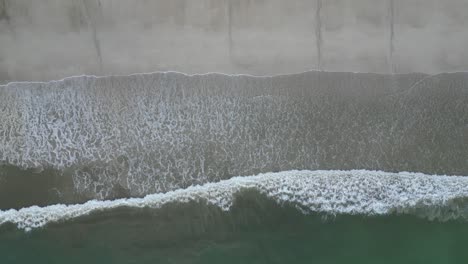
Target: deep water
(255, 230)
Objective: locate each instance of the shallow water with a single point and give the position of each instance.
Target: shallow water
(129, 136)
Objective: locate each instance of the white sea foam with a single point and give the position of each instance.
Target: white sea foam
(151, 133)
(332, 192)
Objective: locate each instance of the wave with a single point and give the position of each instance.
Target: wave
(331, 192)
(255, 229)
(129, 136)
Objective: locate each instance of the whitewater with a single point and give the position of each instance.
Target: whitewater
(330, 192)
(319, 141)
(115, 137)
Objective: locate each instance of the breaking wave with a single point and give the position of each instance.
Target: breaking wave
(331, 192)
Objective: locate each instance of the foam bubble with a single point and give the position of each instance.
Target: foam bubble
(148, 133)
(331, 192)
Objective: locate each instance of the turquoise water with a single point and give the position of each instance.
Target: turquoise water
(255, 230)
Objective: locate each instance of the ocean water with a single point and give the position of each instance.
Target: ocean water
(316, 167)
(255, 230)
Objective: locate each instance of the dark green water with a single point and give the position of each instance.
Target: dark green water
(256, 230)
